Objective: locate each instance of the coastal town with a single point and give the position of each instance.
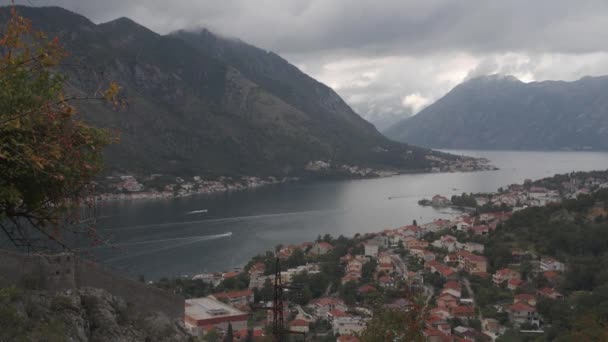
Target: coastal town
(444, 272)
(132, 187)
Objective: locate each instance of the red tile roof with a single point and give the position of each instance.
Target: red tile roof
(463, 311)
(521, 306)
(348, 338)
(366, 289)
(299, 323)
(338, 313)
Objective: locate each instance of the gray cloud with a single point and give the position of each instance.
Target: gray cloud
(377, 53)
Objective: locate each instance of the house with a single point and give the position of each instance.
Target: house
(321, 248)
(436, 267)
(241, 335)
(439, 200)
(387, 282)
(463, 312)
(415, 243)
(453, 288)
(491, 325)
(522, 313)
(322, 306)
(480, 230)
(504, 274)
(399, 304)
(525, 298)
(472, 247)
(550, 264)
(235, 298)
(371, 248)
(257, 269)
(446, 241)
(365, 289)
(347, 324)
(299, 325)
(354, 266)
(441, 312)
(550, 293)
(514, 283)
(385, 267)
(447, 301)
(474, 263)
(551, 276)
(201, 313)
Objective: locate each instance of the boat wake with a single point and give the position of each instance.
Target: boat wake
(202, 211)
(173, 243)
(227, 219)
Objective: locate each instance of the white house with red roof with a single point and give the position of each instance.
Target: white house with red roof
(521, 313)
(505, 274)
(299, 325)
(322, 306)
(453, 288)
(235, 298)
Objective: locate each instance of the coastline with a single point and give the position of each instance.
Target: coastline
(134, 190)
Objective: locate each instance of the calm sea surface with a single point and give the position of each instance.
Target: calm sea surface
(159, 238)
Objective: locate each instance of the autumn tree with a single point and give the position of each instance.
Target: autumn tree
(48, 156)
(388, 324)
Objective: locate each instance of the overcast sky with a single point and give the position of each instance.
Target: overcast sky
(391, 58)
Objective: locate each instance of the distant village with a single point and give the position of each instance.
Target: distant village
(516, 197)
(440, 267)
(162, 186)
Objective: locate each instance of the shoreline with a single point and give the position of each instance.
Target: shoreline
(252, 183)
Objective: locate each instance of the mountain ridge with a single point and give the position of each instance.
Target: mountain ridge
(211, 106)
(505, 113)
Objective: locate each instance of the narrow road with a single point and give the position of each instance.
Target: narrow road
(400, 266)
(467, 284)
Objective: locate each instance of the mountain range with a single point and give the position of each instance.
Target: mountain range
(502, 112)
(201, 104)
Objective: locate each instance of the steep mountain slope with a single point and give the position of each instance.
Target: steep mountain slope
(501, 112)
(196, 112)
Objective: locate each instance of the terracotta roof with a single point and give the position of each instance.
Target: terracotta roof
(326, 301)
(299, 323)
(452, 284)
(550, 274)
(338, 313)
(366, 289)
(463, 310)
(521, 306)
(523, 297)
(325, 245)
(515, 281)
(231, 274)
(348, 338)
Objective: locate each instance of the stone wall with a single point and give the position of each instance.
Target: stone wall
(58, 272)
